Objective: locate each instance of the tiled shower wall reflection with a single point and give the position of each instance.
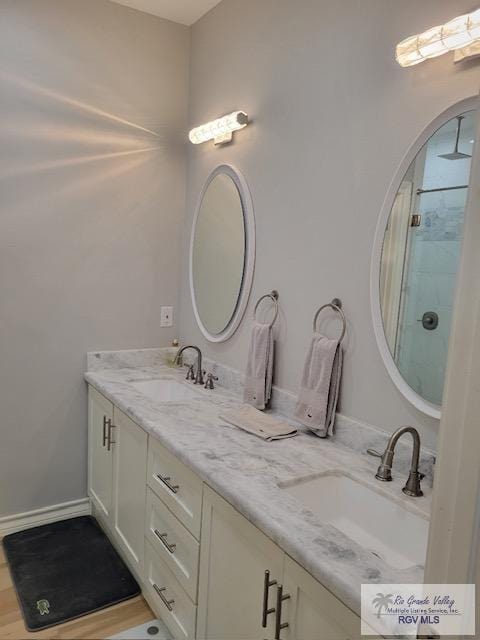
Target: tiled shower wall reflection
(433, 257)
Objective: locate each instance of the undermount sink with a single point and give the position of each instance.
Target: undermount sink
(389, 531)
(165, 390)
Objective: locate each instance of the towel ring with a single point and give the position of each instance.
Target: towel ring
(273, 295)
(336, 305)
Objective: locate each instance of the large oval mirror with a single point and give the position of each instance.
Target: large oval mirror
(222, 253)
(416, 263)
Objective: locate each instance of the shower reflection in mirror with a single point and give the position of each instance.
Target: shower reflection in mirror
(420, 256)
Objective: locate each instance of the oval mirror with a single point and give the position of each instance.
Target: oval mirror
(416, 259)
(222, 253)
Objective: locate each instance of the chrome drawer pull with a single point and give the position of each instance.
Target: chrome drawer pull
(267, 583)
(167, 603)
(105, 422)
(166, 481)
(279, 625)
(162, 537)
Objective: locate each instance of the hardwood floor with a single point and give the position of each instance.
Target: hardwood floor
(95, 626)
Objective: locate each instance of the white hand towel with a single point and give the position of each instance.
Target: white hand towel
(259, 424)
(317, 400)
(259, 372)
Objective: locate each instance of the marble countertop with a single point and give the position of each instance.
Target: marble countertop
(247, 471)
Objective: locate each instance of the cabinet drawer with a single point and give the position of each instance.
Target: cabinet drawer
(178, 487)
(167, 598)
(173, 543)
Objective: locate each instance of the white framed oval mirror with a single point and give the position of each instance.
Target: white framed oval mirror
(416, 255)
(222, 253)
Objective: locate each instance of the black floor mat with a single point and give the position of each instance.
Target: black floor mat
(65, 570)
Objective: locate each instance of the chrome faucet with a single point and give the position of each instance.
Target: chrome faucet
(199, 374)
(384, 471)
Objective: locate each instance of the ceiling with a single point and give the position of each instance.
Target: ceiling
(183, 11)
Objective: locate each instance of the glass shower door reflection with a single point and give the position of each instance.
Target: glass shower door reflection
(428, 290)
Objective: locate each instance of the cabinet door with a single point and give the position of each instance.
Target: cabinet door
(234, 556)
(100, 455)
(129, 488)
(312, 612)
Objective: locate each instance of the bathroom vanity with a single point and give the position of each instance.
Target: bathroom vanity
(193, 553)
(214, 522)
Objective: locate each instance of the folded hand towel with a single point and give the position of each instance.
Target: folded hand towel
(258, 375)
(260, 424)
(317, 400)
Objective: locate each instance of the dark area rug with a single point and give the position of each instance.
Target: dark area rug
(66, 570)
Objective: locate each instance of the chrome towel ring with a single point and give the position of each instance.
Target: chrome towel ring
(336, 305)
(273, 295)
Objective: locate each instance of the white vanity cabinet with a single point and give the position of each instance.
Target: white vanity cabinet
(202, 565)
(232, 587)
(117, 471)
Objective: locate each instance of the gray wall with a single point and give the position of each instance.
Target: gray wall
(90, 204)
(333, 115)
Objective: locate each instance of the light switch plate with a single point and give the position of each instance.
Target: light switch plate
(166, 316)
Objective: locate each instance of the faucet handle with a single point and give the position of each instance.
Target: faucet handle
(384, 471)
(190, 373)
(209, 383)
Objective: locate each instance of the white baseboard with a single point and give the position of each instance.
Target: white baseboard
(45, 515)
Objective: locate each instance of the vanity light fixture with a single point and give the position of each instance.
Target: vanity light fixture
(220, 130)
(456, 34)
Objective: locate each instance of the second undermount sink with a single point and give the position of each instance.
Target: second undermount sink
(382, 526)
(166, 390)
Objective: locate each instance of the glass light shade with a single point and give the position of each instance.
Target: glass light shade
(458, 33)
(472, 50)
(455, 33)
(218, 129)
(430, 44)
(407, 53)
(474, 24)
